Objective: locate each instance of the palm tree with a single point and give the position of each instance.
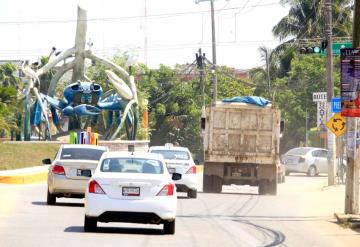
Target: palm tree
(306, 19)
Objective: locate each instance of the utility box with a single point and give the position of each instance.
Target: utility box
(241, 146)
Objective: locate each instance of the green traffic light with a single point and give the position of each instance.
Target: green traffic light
(317, 50)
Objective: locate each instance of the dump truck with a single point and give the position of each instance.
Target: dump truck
(241, 146)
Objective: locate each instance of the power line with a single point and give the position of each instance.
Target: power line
(154, 16)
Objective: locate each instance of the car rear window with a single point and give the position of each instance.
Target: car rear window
(173, 154)
(81, 154)
(298, 151)
(132, 165)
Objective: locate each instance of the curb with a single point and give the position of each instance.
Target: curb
(348, 220)
(24, 176)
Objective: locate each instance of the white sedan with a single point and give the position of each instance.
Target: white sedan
(133, 188)
(179, 160)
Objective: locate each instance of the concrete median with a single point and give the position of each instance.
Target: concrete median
(24, 175)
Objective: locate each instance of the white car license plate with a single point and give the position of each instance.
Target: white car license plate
(171, 170)
(130, 191)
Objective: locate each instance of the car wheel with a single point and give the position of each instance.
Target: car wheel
(169, 227)
(50, 199)
(312, 171)
(90, 224)
(192, 193)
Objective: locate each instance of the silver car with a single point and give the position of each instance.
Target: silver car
(309, 160)
(70, 171)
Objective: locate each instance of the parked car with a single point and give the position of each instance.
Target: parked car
(179, 159)
(133, 188)
(71, 169)
(309, 160)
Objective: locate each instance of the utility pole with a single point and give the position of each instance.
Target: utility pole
(330, 92)
(213, 50)
(213, 47)
(352, 170)
(200, 62)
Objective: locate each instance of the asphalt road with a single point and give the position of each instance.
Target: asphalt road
(300, 215)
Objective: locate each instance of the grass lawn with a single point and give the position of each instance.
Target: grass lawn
(20, 155)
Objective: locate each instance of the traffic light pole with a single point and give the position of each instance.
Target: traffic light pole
(352, 170)
(330, 92)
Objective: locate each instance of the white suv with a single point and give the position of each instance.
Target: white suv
(179, 160)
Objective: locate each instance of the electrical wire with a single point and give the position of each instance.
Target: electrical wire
(154, 16)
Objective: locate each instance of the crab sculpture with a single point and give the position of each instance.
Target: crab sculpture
(86, 100)
(83, 98)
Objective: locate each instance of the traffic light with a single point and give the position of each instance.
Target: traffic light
(309, 49)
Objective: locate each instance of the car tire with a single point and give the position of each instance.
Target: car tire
(169, 227)
(312, 172)
(192, 193)
(90, 224)
(50, 199)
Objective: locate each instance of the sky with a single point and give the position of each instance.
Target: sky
(174, 29)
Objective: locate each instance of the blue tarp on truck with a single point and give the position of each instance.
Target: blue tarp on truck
(255, 100)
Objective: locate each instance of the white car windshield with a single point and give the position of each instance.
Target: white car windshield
(298, 151)
(132, 165)
(173, 154)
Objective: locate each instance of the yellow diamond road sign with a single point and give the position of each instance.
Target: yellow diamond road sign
(337, 124)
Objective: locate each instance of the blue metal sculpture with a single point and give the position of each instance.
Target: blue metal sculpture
(82, 98)
(87, 99)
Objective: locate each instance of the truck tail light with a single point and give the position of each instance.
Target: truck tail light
(95, 188)
(167, 190)
(57, 169)
(192, 170)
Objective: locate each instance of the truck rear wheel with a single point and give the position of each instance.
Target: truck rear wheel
(216, 184)
(272, 187)
(207, 184)
(262, 186)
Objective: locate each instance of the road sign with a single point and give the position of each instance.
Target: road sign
(336, 105)
(337, 124)
(320, 97)
(350, 77)
(337, 46)
(321, 114)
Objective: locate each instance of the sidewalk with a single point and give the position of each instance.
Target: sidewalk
(24, 175)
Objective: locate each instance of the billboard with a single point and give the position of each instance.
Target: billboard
(350, 82)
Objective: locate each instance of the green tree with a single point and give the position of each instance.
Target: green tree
(7, 75)
(293, 95)
(306, 19)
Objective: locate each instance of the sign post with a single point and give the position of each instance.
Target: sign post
(350, 107)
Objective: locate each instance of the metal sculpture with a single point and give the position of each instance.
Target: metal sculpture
(82, 98)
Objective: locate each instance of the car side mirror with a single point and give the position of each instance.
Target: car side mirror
(196, 162)
(46, 161)
(176, 176)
